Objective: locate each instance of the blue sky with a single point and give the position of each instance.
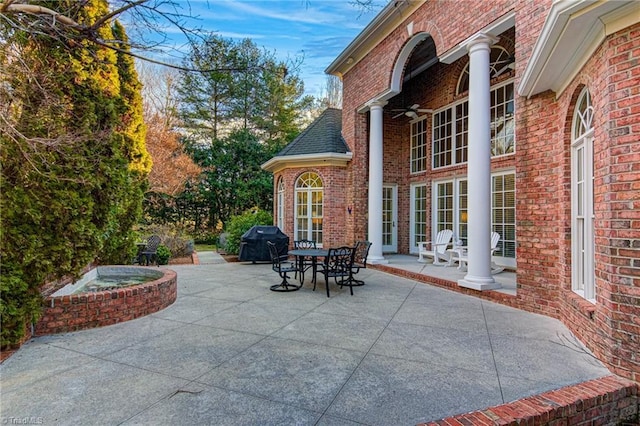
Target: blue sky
(317, 29)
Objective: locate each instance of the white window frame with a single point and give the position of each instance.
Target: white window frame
(308, 210)
(507, 211)
(419, 145)
(280, 203)
(455, 215)
(582, 200)
(453, 134)
(414, 236)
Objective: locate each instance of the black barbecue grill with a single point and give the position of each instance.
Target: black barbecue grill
(253, 243)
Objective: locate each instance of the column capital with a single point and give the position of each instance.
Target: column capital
(376, 103)
(481, 41)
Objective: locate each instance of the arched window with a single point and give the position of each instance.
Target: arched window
(500, 62)
(280, 202)
(582, 211)
(309, 194)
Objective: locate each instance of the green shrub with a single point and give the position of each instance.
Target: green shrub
(175, 239)
(206, 236)
(238, 225)
(163, 254)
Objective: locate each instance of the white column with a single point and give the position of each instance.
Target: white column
(375, 183)
(479, 167)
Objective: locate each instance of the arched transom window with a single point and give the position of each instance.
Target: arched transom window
(500, 62)
(582, 211)
(309, 195)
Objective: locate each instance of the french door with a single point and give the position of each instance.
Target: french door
(390, 219)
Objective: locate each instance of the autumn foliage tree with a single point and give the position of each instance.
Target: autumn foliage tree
(172, 167)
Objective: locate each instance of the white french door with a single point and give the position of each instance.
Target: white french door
(390, 219)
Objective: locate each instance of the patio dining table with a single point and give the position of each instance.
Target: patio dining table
(313, 254)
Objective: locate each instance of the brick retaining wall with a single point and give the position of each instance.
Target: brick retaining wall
(609, 400)
(74, 312)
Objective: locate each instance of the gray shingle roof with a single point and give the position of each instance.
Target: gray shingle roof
(324, 134)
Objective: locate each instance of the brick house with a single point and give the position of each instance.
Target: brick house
(519, 117)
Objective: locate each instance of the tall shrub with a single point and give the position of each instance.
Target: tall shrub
(240, 224)
(72, 163)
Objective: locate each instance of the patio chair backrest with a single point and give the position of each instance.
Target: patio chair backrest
(442, 240)
(304, 244)
(275, 257)
(338, 262)
(152, 244)
(361, 252)
(495, 239)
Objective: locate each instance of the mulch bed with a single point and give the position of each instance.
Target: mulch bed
(186, 260)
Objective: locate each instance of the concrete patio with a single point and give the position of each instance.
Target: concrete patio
(231, 352)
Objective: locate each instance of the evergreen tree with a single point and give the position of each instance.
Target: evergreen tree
(236, 121)
(72, 160)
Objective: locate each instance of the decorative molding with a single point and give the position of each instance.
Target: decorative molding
(276, 164)
(571, 33)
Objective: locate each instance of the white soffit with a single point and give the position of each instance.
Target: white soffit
(571, 33)
(276, 164)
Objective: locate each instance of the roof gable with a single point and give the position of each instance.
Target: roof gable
(324, 134)
(320, 144)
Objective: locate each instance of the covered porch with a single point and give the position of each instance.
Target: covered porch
(447, 276)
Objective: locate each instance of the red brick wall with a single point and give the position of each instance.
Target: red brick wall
(372, 76)
(608, 401)
(87, 310)
(336, 218)
(611, 327)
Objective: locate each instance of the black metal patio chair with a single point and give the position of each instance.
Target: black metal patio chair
(337, 265)
(149, 253)
(283, 267)
(360, 253)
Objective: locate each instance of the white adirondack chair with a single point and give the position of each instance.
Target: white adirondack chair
(437, 249)
(462, 256)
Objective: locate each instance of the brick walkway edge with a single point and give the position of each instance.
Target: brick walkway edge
(610, 400)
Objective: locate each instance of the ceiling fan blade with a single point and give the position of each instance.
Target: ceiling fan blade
(509, 64)
(398, 115)
(503, 69)
(414, 106)
(424, 110)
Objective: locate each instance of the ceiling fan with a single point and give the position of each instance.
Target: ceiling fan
(411, 111)
(509, 63)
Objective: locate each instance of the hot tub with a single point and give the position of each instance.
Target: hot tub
(72, 309)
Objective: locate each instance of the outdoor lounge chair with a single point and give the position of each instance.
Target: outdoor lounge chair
(283, 267)
(462, 255)
(437, 249)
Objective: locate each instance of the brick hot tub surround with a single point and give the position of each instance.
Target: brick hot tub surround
(72, 312)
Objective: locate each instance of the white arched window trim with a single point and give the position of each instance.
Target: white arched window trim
(582, 199)
(280, 204)
(309, 208)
